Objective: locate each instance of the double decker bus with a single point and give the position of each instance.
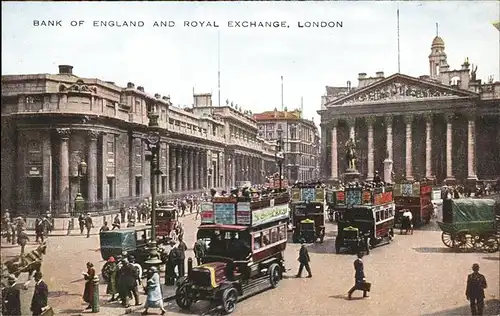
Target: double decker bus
(245, 239)
(307, 208)
(415, 196)
(365, 216)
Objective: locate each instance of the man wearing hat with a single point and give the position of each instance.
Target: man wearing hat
(11, 296)
(359, 277)
(476, 283)
(137, 273)
(112, 270)
(40, 295)
(304, 261)
(88, 224)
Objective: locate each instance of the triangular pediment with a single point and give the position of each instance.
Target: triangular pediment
(399, 87)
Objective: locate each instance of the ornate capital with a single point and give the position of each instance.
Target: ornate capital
(428, 116)
(470, 115)
(334, 122)
(408, 119)
(370, 120)
(63, 132)
(351, 122)
(448, 117)
(387, 120)
(93, 135)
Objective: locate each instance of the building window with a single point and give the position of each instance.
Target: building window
(110, 147)
(163, 116)
(29, 100)
(138, 154)
(137, 106)
(138, 186)
(111, 188)
(164, 184)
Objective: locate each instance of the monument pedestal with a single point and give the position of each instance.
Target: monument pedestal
(451, 181)
(351, 175)
(388, 170)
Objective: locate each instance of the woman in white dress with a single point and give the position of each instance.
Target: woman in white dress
(155, 297)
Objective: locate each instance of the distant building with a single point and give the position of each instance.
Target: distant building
(301, 142)
(443, 126)
(53, 122)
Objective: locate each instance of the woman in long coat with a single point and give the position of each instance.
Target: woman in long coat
(113, 271)
(155, 297)
(88, 293)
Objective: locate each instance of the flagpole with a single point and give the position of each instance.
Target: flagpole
(399, 50)
(282, 103)
(218, 67)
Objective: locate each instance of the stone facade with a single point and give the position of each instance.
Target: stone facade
(50, 123)
(443, 126)
(300, 138)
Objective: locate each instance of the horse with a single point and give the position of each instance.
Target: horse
(28, 263)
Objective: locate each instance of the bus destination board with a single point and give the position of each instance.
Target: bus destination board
(243, 213)
(207, 213)
(225, 213)
(308, 194)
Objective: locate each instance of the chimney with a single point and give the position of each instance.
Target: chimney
(111, 82)
(65, 70)
(130, 85)
(140, 88)
(165, 98)
(362, 75)
(157, 95)
(348, 86)
(379, 74)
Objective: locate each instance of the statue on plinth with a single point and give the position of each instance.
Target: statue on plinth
(351, 157)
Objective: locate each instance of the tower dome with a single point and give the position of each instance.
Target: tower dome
(437, 42)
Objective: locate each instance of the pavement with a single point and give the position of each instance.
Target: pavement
(414, 275)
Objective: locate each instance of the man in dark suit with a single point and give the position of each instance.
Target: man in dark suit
(304, 261)
(476, 283)
(40, 295)
(359, 277)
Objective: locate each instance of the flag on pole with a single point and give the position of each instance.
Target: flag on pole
(497, 25)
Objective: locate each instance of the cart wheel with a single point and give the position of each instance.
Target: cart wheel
(274, 275)
(229, 299)
(447, 239)
(491, 244)
(182, 297)
(464, 241)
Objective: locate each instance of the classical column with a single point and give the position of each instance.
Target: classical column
(408, 157)
(64, 133)
(471, 147)
(428, 146)
(369, 123)
(388, 128)
(172, 168)
(335, 157)
(92, 166)
(178, 170)
(196, 173)
(167, 166)
(191, 169)
(201, 173)
(233, 171)
(185, 165)
(449, 147)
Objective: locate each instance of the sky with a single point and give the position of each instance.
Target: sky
(175, 61)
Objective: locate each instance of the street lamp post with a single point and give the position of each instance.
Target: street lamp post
(280, 157)
(153, 141)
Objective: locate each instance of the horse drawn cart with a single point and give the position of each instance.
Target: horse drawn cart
(28, 263)
(469, 224)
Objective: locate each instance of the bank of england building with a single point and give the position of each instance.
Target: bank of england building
(54, 124)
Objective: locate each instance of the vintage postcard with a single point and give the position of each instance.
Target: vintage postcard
(250, 158)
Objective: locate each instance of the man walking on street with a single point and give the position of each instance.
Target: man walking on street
(304, 261)
(40, 295)
(359, 277)
(116, 222)
(182, 258)
(88, 224)
(81, 223)
(137, 272)
(476, 284)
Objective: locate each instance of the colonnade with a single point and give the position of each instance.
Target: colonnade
(408, 121)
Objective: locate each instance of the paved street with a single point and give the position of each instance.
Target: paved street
(415, 275)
